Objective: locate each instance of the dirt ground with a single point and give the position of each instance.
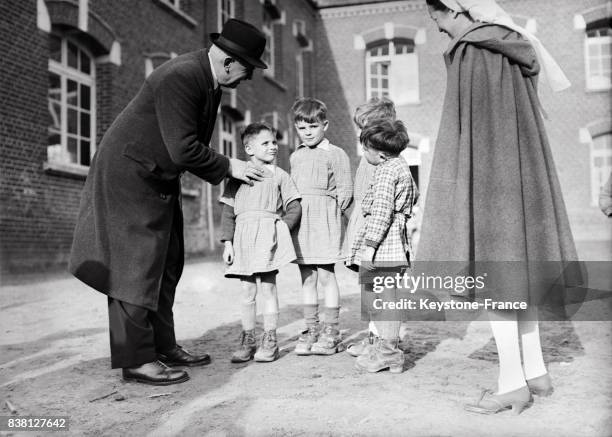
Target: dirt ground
(54, 360)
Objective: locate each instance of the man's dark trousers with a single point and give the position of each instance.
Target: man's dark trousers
(137, 333)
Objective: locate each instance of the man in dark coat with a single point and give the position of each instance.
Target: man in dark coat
(128, 241)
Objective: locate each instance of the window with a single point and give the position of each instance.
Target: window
(268, 54)
(179, 8)
(271, 119)
(299, 75)
(227, 136)
(71, 99)
(227, 139)
(598, 52)
(299, 31)
(601, 163)
(392, 70)
(227, 10)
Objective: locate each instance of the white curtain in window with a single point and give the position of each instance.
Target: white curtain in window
(404, 79)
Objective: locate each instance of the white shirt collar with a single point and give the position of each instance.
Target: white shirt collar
(214, 75)
(324, 144)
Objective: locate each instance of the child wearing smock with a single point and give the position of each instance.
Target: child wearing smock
(322, 174)
(257, 239)
(374, 109)
(383, 238)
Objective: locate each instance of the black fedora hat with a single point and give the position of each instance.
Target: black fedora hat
(242, 40)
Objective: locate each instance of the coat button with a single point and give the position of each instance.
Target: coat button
(163, 196)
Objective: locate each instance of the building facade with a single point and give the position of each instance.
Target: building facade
(70, 66)
(394, 48)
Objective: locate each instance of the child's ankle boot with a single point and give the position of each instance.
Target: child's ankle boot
(268, 348)
(246, 351)
(329, 342)
(385, 355)
(306, 340)
(356, 349)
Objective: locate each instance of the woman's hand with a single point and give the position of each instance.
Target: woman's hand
(228, 253)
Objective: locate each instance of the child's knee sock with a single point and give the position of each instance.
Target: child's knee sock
(270, 321)
(332, 315)
(311, 314)
(270, 306)
(248, 314)
(388, 330)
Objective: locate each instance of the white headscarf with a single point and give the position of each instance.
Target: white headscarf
(488, 11)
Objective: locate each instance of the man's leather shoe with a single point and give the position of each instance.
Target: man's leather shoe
(155, 373)
(181, 357)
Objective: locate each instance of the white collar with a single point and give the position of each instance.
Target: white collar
(214, 75)
(324, 144)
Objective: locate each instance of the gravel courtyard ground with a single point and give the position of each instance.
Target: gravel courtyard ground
(54, 360)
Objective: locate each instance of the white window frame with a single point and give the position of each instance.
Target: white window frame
(388, 60)
(58, 153)
(299, 74)
(227, 137)
(601, 148)
(299, 28)
(593, 82)
(379, 60)
(227, 10)
(268, 55)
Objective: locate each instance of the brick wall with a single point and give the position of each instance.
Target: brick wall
(33, 216)
(341, 83)
(39, 208)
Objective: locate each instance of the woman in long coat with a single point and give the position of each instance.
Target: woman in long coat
(493, 194)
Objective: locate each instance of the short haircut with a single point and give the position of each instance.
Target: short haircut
(385, 135)
(309, 110)
(437, 5)
(374, 109)
(253, 130)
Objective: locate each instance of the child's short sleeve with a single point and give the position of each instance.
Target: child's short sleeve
(288, 189)
(229, 193)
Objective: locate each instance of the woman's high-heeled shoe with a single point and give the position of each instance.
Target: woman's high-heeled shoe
(490, 403)
(541, 386)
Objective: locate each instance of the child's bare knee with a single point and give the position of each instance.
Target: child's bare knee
(326, 276)
(249, 292)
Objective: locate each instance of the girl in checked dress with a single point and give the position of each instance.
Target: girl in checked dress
(370, 111)
(257, 239)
